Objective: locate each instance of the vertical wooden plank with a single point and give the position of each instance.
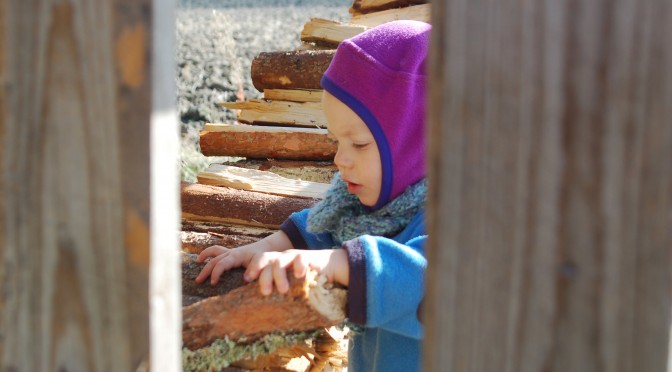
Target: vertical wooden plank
(77, 98)
(551, 168)
(165, 275)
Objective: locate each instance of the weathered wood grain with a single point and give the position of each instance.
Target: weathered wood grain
(551, 161)
(77, 80)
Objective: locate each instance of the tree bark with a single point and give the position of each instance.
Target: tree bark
(290, 70)
(246, 314)
(229, 281)
(267, 142)
(223, 204)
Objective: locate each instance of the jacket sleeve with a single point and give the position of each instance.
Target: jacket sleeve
(296, 229)
(386, 282)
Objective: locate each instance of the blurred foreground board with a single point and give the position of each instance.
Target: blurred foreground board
(262, 142)
(245, 315)
(260, 181)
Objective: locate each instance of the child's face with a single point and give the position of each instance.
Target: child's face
(357, 157)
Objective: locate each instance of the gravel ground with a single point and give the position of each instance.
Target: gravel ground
(216, 42)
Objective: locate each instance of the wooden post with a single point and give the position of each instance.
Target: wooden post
(78, 213)
(550, 213)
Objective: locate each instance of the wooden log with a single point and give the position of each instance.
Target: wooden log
(290, 70)
(245, 314)
(314, 171)
(229, 281)
(302, 114)
(218, 229)
(226, 205)
(294, 95)
(416, 13)
(260, 181)
(368, 6)
(326, 32)
(196, 242)
(267, 142)
(188, 299)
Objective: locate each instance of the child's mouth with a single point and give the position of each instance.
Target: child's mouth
(353, 188)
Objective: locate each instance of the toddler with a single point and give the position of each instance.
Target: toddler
(368, 233)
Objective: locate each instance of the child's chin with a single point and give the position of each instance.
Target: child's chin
(366, 203)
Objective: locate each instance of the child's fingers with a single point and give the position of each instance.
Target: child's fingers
(256, 265)
(300, 266)
(223, 264)
(266, 281)
(211, 251)
(280, 277)
(206, 270)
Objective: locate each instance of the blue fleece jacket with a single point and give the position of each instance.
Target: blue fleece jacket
(386, 287)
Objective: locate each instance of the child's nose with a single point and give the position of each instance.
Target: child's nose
(341, 159)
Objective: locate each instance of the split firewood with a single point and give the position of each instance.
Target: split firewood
(261, 142)
(231, 206)
(313, 171)
(245, 315)
(301, 69)
(368, 6)
(326, 32)
(294, 95)
(416, 13)
(229, 281)
(260, 181)
(302, 114)
(196, 242)
(224, 230)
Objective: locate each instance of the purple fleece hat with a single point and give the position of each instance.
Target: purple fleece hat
(380, 75)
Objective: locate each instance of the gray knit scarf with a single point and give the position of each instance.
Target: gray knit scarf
(345, 217)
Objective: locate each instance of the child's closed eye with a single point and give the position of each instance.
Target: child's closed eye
(361, 145)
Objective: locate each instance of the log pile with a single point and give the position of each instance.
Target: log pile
(287, 166)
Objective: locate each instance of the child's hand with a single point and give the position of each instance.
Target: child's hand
(226, 259)
(271, 267)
